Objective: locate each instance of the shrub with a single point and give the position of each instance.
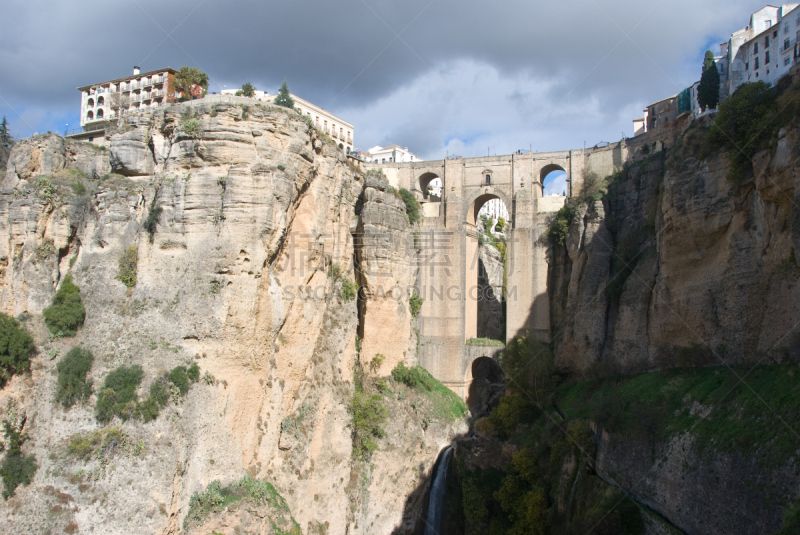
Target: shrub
(128, 266)
(72, 370)
(66, 314)
(416, 377)
(412, 206)
(446, 405)
(556, 233)
(79, 188)
(16, 347)
(151, 222)
(509, 412)
(376, 362)
(415, 305)
(216, 497)
(742, 125)
(193, 372)
(117, 397)
(530, 363)
(349, 289)
(180, 379)
(369, 415)
(100, 442)
(17, 468)
(191, 127)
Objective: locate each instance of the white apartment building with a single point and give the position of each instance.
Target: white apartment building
(341, 131)
(392, 154)
(494, 209)
(765, 49)
(105, 101)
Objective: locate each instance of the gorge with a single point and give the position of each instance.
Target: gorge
(270, 308)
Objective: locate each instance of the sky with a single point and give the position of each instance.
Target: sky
(440, 77)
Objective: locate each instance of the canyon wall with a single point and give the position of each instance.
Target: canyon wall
(241, 219)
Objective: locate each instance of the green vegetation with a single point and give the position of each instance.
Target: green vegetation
(128, 266)
(191, 127)
(188, 78)
(102, 444)
(72, 371)
(349, 289)
(485, 342)
(284, 98)
(153, 214)
(6, 142)
(446, 404)
(415, 305)
(708, 90)
(216, 498)
(501, 224)
(117, 397)
(556, 233)
(248, 90)
(16, 347)
(412, 206)
(375, 363)
(17, 468)
(66, 314)
(369, 415)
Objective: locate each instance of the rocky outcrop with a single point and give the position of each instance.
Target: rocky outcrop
(251, 208)
(387, 272)
(679, 263)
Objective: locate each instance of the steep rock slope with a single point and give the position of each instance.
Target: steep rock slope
(246, 210)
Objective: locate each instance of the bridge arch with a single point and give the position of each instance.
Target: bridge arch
(548, 173)
(435, 182)
(475, 202)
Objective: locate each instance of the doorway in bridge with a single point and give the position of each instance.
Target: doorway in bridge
(485, 304)
(553, 179)
(485, 380)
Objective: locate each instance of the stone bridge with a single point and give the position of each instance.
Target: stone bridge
(449, 271)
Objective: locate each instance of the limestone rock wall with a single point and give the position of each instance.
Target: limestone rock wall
(679, 257)
(491, 310)
(252, 208)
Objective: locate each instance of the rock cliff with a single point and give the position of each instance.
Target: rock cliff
(241, 219)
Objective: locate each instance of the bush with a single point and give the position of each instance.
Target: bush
(742, 125)
(510, 411)
(193, 372)
(415, 305)
(128, 266)
(16, 347)
(412, 206)
(349, 289)
(66, 314)
(248, 90)
(100, 442)
(485, 342)
(556, 233)
(369, 415)
(446, 405)
(376, 362)
(530, 363)
(416, 377)
(72, 370)
(118, 397)
(17, 468)
(151, 222)
(191, 127)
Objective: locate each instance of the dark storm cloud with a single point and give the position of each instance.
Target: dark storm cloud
(537, 66)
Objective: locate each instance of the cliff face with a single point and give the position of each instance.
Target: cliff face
(243, 273)
(679, 266)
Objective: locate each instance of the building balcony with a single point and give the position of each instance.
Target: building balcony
(158, 79)
(157, 93)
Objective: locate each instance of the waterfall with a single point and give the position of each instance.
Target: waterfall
(433, 524)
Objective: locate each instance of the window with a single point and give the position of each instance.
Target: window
(755, 49)
(488, 179)
(785, 28)
(383, 160)
(775, 34)
(766, 41)
(766, 58)
(756, 65)
(747, 66)
(787, 60)
(787, 44)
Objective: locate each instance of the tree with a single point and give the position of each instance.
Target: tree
(5, 143)
(708, 90)
(248, 90)
(189, 77)
(284, 98)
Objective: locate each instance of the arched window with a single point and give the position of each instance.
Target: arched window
(90, 103)
(348, 150)
(488, 179)
(99, 113)
(90, 115)
(101, 101)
